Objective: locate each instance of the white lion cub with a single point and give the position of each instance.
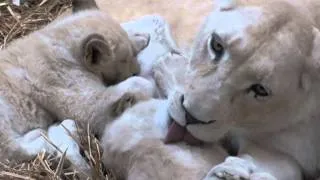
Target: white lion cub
(60, 72)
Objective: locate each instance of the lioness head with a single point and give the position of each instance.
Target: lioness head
(253, 67)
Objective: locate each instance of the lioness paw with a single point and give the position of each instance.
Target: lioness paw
(232, 168)
(235, 168)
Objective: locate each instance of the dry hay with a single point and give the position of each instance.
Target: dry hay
(52, 167)
(16, 22)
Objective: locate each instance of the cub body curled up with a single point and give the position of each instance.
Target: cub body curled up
(60, 72)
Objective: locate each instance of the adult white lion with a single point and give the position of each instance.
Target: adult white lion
(254, 72)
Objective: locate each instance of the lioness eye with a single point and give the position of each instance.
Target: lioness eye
(259, 90)
(216, 46)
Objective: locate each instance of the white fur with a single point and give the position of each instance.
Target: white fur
(32, 142)
(60, 137)
(232, 25)
(275, 45)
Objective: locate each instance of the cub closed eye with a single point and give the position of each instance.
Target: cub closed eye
(216, 47)
(259, 91)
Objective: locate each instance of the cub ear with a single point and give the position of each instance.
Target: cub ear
(139, 41)
(79, 5)
(95, 50)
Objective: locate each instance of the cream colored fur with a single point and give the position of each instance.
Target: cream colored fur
(272, 43)
(60, 72)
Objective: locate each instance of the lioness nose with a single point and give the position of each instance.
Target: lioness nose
(189, 118)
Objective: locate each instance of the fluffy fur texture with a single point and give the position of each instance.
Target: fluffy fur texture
(254, 71)
(60, 72)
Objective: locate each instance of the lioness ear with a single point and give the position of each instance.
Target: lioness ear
(95, 50)
(79, 5)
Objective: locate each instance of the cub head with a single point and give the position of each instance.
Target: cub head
(114, 58)
(112, 62)
(254, 67)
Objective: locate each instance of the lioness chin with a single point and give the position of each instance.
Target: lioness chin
(61, 72)
(254, 72)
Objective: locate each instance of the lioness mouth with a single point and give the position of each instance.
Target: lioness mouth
(190, 118)
(177, 133)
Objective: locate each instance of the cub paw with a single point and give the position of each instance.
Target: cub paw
(234, 168)
(125, 102)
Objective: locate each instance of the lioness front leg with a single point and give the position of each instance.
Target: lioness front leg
(235, 168)
(257, 164)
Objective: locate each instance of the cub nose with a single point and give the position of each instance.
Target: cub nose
(189, 118)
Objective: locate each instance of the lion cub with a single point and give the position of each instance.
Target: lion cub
(60, 72)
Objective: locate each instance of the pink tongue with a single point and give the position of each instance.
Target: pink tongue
(177, 133)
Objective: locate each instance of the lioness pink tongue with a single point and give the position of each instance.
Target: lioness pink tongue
(175, 133)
